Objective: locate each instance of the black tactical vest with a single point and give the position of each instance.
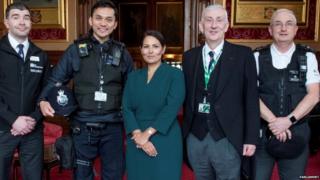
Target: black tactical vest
(282, 89)
(100, 70)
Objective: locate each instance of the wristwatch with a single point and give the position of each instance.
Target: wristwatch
(293, 120)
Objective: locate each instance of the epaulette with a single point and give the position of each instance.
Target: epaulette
(83, 45)
(305, 48)
(122, 45)
(83, 39)
(261, 48)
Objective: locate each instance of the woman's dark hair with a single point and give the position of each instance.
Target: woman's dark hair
(16, 5)
(155, 34)
(104, 4)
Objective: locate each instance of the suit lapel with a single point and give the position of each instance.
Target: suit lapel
(226, 68)
(197, 63)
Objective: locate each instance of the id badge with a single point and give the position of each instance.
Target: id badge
(100, 96)
(204, 108)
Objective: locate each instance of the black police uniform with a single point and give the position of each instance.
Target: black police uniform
(20, 86)
(281, 90)
(99, 72)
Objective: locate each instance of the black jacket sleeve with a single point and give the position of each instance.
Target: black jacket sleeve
(36, 114)
(127, 66)
(63, 71)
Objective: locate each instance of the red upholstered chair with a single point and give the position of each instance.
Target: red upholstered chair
(50, 132)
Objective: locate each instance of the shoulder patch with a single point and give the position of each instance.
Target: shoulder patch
(261, 48)
(118, 43)
(305, 48)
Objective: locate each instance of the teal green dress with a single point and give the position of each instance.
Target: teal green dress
(154, 104)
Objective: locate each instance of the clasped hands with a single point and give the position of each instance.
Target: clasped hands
(23, 125)
(142, 141)
(279, 126)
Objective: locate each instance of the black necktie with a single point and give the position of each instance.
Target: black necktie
(20, 52)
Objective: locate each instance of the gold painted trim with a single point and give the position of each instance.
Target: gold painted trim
(315, 43)
(317, 23)
(250, 13)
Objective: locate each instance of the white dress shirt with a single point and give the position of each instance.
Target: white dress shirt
(14, 44)
(217, 53)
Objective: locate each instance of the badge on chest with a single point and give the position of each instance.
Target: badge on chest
(204, 107)
(100, 96)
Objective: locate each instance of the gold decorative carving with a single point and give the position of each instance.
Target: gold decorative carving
(246, 13)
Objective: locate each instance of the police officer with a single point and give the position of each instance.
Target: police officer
(23, 71)
(289, 89)
(98, 66)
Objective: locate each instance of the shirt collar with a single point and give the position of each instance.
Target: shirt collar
(14, 43)
(288, 53)
(216, 51)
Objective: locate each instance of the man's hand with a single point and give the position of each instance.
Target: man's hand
(248, 149)
(282, 137)
(281, 124)
(23, 125)
(31, 122)
(46, 109)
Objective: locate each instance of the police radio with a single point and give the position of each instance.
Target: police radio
(110, 54)
(83, 49)
(302, 67)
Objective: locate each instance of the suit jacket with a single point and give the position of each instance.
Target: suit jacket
(236, 102)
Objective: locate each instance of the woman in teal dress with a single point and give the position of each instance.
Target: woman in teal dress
(152, 98)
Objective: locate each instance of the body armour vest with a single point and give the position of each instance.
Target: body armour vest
(282, 89)
(99, 74)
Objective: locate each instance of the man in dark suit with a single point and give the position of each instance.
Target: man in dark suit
(221, 117)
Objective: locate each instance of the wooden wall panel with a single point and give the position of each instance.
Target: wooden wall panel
(157, 11)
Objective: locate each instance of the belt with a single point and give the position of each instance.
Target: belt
(85, 116)
(96, 125)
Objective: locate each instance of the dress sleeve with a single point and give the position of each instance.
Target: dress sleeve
(174, 100)
(130, 122)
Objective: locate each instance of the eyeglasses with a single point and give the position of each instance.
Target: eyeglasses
(218, 20)
(287, 24)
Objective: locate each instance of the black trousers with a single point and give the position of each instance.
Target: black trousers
(30, 148)
(106, 142)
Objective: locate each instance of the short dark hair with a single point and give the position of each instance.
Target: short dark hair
(155, 34)
(16, 5)
(104, 4)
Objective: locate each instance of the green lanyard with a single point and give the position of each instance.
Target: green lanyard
(208, 70)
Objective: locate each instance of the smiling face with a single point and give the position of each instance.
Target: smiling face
(152, 50)
(214, 24)
(283, 27)
(103, 22)
(18, 23)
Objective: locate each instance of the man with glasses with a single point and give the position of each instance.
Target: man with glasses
(288, 90)
(221, 117)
